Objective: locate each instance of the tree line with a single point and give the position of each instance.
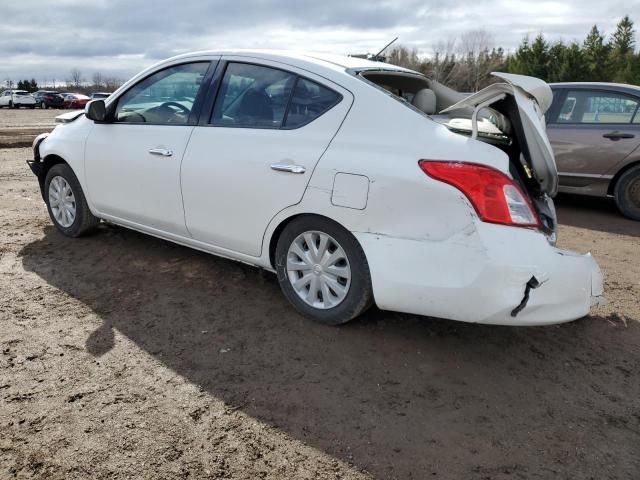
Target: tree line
(466, 63)
(75, 82)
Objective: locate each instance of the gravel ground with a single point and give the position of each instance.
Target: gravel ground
(124, 356)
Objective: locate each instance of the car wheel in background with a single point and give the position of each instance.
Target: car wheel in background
(11, 104)
(323, 271)
(66, 203)
(627, 193)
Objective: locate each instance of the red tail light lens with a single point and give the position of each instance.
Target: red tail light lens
(495, 197)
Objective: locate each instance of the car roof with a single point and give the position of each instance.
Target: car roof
(335, 62)
(614, 87)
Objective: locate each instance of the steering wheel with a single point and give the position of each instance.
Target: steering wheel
(177, 105)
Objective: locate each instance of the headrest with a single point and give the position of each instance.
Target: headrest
(425, 100)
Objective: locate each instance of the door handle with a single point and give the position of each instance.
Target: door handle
(618, 135)
(286, 167)
(163, 152)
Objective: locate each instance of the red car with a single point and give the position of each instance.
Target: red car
(75, 100)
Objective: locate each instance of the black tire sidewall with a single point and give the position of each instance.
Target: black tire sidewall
(64, 171)
(359, 297)
(623, 201)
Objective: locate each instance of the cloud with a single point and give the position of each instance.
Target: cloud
(46, 40)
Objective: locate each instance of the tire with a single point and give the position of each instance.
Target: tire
(627, 193)
(337, 299)
(11, 104)
(82, 220)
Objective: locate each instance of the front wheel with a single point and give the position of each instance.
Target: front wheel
(323, 271)
(627, 193)
(66, 203)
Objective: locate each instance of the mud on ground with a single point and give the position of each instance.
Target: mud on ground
(124, 356)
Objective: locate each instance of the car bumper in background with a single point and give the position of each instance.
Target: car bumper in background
(493, 274)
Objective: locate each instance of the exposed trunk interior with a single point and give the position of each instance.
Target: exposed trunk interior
(498, 124)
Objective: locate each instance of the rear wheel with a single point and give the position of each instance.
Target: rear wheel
(66, 203)
(323, 271)
(627, 193)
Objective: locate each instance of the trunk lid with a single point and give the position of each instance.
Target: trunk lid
(533, 98)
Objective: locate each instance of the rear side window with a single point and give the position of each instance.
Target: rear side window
(309, 101)
(253, 96)
(595, 107)
(257, 96)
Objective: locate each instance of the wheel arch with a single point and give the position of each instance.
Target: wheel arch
(46, 164)
(277, 231)
(614, 181)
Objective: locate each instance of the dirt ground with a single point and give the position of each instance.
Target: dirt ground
(124, 356)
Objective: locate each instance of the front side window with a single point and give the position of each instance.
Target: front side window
(164, 98)
(594, 107)
(252, 96)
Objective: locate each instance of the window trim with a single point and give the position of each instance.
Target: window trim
(197, 103)
(206, 117)
(565, 93)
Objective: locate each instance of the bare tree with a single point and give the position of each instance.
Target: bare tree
(98, 80)
(76, 78)
(474, 50)
(442, 67)
(112, 83)
(404, 57)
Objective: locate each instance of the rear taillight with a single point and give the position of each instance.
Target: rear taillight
(495, 197)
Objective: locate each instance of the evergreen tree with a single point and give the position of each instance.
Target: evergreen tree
(596, 54)
(621, 56)
(520, 61)
(572, 65)
(540, 58)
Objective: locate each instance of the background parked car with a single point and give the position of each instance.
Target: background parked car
(48, 99)
(594, 129)
(75, 100)
(102, 95)
(17, 99)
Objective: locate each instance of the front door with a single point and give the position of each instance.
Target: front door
(132, 162)
(255, 155)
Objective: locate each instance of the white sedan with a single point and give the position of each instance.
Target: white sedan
(355, 181)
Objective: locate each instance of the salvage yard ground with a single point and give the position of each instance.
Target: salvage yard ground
(124, 356)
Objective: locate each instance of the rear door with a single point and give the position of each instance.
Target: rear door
(254, 154)
(592, 131)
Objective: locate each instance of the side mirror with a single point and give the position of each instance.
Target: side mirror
(96, 111)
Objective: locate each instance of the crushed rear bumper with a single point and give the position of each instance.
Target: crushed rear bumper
(495, 275)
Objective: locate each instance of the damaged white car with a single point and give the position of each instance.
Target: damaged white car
(356, 181)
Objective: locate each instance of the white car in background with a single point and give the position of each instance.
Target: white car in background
(17, 99)
(356, 181)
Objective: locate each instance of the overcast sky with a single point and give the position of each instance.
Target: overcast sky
(46, 39)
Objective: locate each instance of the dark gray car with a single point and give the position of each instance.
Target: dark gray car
(594, 129)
